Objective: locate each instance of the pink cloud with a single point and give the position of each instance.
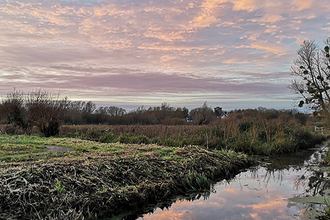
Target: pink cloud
(167, 47)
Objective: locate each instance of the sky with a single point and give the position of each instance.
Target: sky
(228, 53)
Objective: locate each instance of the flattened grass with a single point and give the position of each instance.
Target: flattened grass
(97, 180)
(21, 144)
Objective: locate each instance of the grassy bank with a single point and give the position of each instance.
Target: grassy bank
(97, 180)
(110, 169)
(21, 144)
(261, 138)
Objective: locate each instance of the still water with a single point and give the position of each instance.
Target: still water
(261, 192)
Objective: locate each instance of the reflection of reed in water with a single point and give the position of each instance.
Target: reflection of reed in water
(275, 175)
(318, 183)
(298, 159)
(318, 156)
(314, 182)
(301, 181)
(299, 178)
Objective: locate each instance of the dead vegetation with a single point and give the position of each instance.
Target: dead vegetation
(99, 184)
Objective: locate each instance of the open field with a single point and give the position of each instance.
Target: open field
(97, 180)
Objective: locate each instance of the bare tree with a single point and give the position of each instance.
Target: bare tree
(312, 76)
(89, 107)
(12, 109)
(115, 111)
(203, 115)
(46, 111)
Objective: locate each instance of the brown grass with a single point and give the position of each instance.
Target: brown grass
(101, 184)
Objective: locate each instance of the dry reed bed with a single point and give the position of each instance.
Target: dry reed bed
(102, 184)
(260, 138)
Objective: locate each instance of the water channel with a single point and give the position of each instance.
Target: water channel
(261, 192)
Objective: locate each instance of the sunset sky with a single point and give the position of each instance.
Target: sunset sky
(230, 53)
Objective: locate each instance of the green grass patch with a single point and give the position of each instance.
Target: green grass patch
(224, 152)
(21, 144)
(174, 157)
(165, 151)
(113, 148)
(59, 187)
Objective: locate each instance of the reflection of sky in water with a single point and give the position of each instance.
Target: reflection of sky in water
(254, 194)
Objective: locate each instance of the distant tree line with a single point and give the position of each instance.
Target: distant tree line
(47, 111)
(260, 114)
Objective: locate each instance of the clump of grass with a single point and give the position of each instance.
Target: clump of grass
(113, 148)
(125, 139)
(109, 137)
(326, 214)
(174, 157)
(196, 182)
(59, 187)
(140, 139)
(94, 135)
(165, 151)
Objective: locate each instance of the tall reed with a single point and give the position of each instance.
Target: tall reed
(250, 137)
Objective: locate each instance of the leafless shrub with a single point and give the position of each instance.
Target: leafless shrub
(45, 110)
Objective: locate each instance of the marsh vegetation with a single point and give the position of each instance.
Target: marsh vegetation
(129, 160)
(98, 180)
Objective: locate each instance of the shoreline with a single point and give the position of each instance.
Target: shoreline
(103, 184)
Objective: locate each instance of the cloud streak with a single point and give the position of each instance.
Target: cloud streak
(157, 48)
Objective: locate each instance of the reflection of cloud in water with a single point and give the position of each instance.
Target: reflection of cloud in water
(261, 206)
(169, 214)
(230, 190)
(257, 194)
(225, 206)
(255, 216)
(250, 195)
(273, 207)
